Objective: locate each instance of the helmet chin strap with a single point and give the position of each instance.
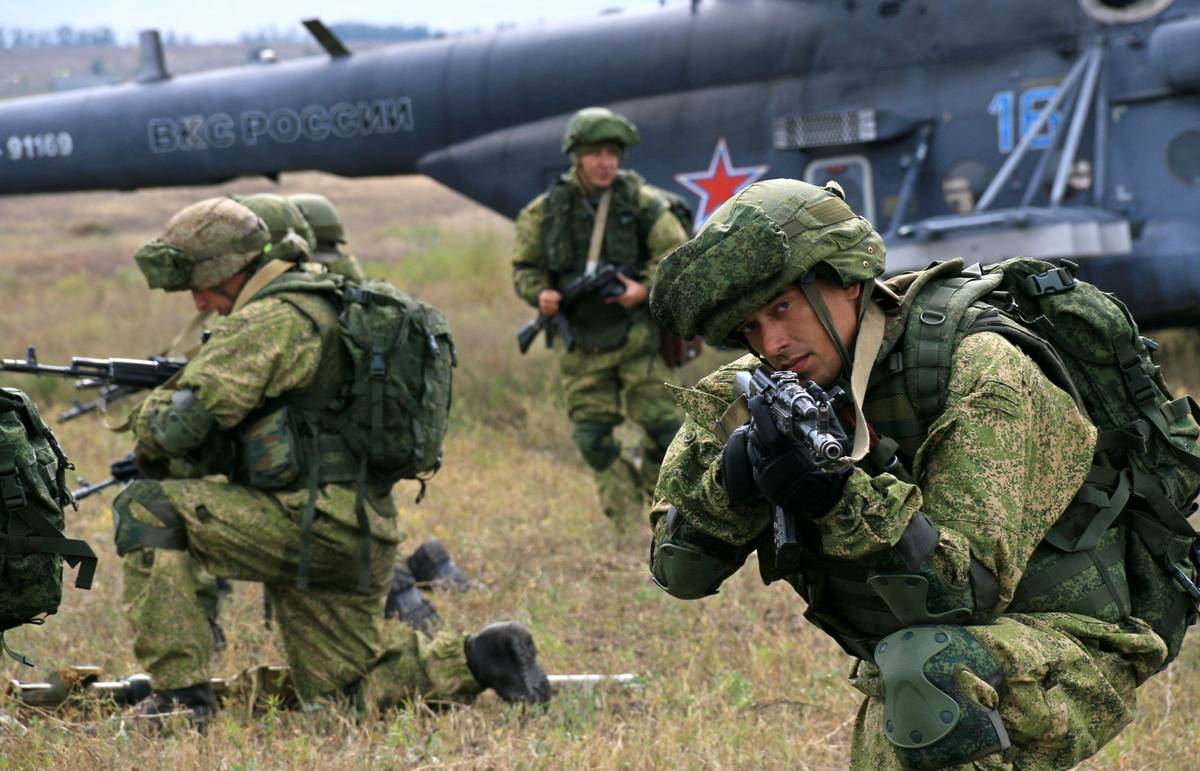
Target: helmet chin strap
(867, 343)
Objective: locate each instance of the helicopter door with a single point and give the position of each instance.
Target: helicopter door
(853, 173)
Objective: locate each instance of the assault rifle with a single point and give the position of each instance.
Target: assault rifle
(113, 378)
(805, 419)
(122, 470)
(602, 283)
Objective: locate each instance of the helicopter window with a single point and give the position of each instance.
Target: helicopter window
(963, 184)
(1123, 11)
(1183, 157)
(853, 173)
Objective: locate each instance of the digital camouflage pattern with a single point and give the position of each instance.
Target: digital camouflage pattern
(594, 125)
(756, 244)
(32, 495)
(333, 634)
(532, 271)
(604, 387)
(1068, 688)
(601, 389)
(992, 475)
(202, 245)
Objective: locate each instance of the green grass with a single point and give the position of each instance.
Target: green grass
(733, 681)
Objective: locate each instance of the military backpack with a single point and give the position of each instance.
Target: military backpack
(32, 495)
(387, 417)
(1124, 546)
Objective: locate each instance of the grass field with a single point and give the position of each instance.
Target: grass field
(739, 680)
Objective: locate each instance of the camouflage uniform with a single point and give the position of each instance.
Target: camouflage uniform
(271, 349)
(991, 475)
(616, 369)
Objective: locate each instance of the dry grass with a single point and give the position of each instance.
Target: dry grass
(734, 681)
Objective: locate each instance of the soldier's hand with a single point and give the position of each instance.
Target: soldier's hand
(635, 293)
(548, 301)
(785, 472)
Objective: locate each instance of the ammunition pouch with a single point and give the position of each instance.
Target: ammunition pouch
(929, 716)
(278, 450)
(597, 325)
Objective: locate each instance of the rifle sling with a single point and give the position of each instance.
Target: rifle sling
(265, 275)
(596, 243)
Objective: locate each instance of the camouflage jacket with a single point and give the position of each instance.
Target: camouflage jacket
(993, 474)
(262, 352)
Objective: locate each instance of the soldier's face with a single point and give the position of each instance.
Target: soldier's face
(789, 335)
(220, 298)
(599, 167)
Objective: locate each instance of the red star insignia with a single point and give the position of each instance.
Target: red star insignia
(719, 182)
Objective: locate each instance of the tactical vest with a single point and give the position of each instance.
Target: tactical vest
(566, 233)
(1114, 551)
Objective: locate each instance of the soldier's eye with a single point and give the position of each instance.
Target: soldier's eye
(783, 306)
(748, 327)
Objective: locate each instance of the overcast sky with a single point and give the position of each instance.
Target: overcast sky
(226, 19)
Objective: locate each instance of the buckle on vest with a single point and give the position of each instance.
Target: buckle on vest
(1137, 379)
(932, 318)
(1053, 281)
(378, 369)
(12, 491)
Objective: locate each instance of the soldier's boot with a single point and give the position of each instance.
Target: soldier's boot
(502, 657)
(431, 564)
(406, 603)
(196, 704)
(620, 490)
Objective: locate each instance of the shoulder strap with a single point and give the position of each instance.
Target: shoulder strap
(596, 243)
(940, 316)
(265, 275)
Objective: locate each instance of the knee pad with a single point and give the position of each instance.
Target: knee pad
(597, 444)
(132, 532)
(182, 425)
(662, 437)
(929, 715)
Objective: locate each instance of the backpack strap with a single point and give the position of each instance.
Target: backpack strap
(941, 314)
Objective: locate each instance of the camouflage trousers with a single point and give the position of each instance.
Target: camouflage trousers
(602, 389)
(1061, 699)
(335, 638)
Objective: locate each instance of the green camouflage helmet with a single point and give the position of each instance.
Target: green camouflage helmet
(594, 125)
(280, 215)
(203, 245)
(752, 248)
(321, 215)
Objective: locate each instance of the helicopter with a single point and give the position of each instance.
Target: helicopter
(1059, 130)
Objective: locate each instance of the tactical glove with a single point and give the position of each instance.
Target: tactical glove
(760, 461)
